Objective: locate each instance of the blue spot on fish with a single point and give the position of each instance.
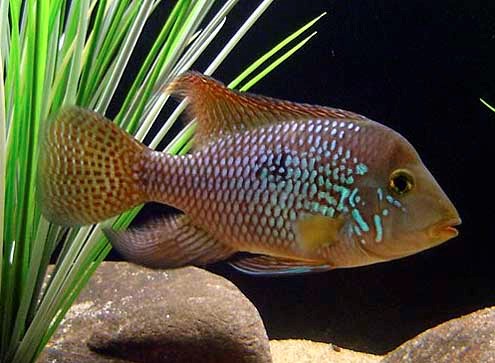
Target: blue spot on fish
(361, 169)
(359, 220)
(378, 227)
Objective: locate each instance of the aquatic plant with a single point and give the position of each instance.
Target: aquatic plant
(75, 52)
(487, 104)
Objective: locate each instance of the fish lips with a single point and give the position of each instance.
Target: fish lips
(445, 229)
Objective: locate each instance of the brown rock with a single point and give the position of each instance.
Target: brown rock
(305, 351)
(468, 339)
(142, 315)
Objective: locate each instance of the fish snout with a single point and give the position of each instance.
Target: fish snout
(445, 229)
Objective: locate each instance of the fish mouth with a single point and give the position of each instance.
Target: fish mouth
(446, 229)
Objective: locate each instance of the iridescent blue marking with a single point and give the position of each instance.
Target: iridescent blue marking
(289, 186)
(385, 212)
(378, 227)
(361, 169)
(344, 193)
(295, 161)
(288, 160)
(360, 221)
(311, 164)
(292, 215)
(313, 190)
(393, 201)
(315, 207)
(356, 230)
(330, 212)
(352, 196)
(331, 200)
(297, 186)
(321, 180)
(379, 192)
(297, 173)
(304, 164)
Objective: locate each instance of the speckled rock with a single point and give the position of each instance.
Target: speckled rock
(142, 315)
(305, 351)
(468, 339)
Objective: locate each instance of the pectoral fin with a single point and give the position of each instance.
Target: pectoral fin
(315, 231)
(277, 266)
(168, 243)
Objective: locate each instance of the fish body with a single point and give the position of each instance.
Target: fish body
(300, 187)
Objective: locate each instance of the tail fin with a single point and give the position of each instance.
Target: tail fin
(89, 169)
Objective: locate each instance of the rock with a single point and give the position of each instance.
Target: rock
(306, 351)
(142, 315)
(468, 339)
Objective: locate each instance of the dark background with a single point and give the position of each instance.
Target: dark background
(420, 68)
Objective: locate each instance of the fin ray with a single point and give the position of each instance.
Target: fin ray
(264, 265)
(86, 169)
(219, 109)
(168, 243)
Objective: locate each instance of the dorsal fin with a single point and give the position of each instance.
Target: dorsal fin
(220, 110)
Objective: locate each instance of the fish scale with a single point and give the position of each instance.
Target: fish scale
(301, 187)
(250, 188)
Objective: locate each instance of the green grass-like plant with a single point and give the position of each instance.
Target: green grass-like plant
(57, 52)
(490, 107)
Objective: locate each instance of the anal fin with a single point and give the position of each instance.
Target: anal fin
(277, 266)
(168, 243)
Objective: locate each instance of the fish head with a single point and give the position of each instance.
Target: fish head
(404, 206)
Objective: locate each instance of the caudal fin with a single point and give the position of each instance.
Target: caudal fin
(89, 169)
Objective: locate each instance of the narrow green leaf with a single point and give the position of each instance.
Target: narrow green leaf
(91, 55)
(3, 135)
(177, 12)
(123, 56)
(487, 104)
(273, 51)
(276, 63)
(81, 25)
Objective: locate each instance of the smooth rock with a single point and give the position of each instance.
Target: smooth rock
(143, 315)
(468, 339)
(306, 351)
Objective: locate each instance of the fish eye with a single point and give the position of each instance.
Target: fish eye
(401, 181)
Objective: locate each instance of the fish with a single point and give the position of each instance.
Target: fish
(272, 186)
